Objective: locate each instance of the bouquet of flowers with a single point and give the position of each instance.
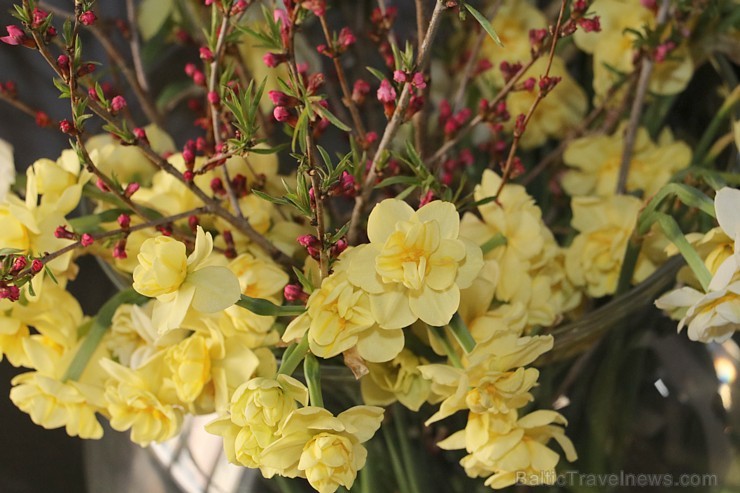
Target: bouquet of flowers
(425, 194)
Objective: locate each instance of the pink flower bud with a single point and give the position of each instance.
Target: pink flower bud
(399, 76)
(37, 265)
(124, 221)
(131, 189)
(294, 292)
(88, 18)
(42, 119)
(19, 264)
(386, 92)
(63, 62)
(86, 240)
(17, 37)
(66, 127)
(118, 103)
(213, 97)
(346, 38)
(206, 53)
(272, 60)
(418, 81)
(281, 114)
(307, 241)
(119, 250)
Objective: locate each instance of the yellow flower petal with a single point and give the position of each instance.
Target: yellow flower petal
(383, 219)
(435, 307)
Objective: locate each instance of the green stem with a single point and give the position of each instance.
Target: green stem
(686, 194)
(461, 333)
(707, 139)
(293, 356)
(496, 241)
(674, 233)
(267, 308)
(628, 264)
(396, 463)
(439, 334)
(406, 455)
(312, 372)
(287, 485)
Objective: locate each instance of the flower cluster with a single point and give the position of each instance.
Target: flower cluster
(352, 197)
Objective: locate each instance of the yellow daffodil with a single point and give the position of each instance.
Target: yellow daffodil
(339, 317)
(613, 48)
(714, 315)
(594, 258)
(506, 448)
(415, 264)
(258, 409)
(132, 401)
(325, 449)
(396, 380)
(179, 282)
(595, 161)
(53, 402)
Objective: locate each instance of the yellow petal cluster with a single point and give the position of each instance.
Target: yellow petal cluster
(506, 449)
(613, 48)
(180, 282)
(325, 449)
(399, 379)
(595, 161)
(257, 410)
(339, 317)
(594, 258)
(415, 264)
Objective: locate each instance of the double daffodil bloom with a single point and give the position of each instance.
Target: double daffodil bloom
(714, 315)
(415, 264)
(179, 282)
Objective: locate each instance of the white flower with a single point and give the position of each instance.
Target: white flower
(715, 315)
(7, 169)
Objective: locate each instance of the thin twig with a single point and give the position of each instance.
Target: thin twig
(471, 64)
(135, 45)
(141, 92)
(394, 123)
(48, 257)
(214, 106)
(342, 77)
(518, 132)
(500, 96)
(636, 112)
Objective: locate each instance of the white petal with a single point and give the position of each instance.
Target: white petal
(727, 207)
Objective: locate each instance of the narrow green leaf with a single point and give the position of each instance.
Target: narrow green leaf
(305, 281)
(485, 24)
(332, 118)
(268, 308)
(377, 73)
(99, 326)
(494, 242)
(674, 233)
(395, 180)
(461, 333)
(312, 373)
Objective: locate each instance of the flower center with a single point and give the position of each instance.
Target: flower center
(405, 256)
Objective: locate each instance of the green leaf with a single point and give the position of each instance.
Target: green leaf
(461, 333)
(305, 281)
(99, 326)
(86, 224)
(377, 73)
(9, 251)
(496, 241)
(312, 373)
(152, 15)
(267, 308)
(171, 92)
(395, 180)
(485, 24)
(270, 198)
